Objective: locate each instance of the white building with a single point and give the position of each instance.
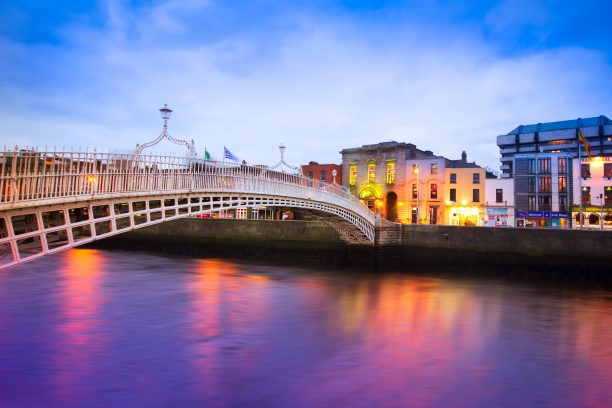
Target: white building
(593, 186)
(499, 202)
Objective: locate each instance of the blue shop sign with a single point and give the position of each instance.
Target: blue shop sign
(541, 214)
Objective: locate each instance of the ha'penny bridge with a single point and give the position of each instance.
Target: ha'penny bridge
(54, 200)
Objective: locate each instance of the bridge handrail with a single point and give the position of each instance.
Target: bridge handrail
(31, 175)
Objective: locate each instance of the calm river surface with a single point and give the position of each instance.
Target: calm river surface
(93, 328)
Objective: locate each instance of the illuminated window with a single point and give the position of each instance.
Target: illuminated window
(433, 191)
(415, 193)
(563, 184)
(608, 195)
(586, 195)
(390, 172)
(352, 174)
(544, 166)
(562, 165)
(371, 172)
(434, 168)
(544, 184)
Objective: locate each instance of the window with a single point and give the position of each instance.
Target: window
(585, 170)
(531, 203)
(544, 184)
(544, 202)
(586, 195)
(415, 169)
(433, 191)
(322, 175)
(476, 178)
(608, 170)
(415, 193)
(532, 166)
(434, 168)
(563, 184)
(608, 195)
(453, 195)
(531, 184)
(390, 172)
(453, 178)
(353, 174)
(562, 165)
(562, 203)
(499, 195)
(371, 172)
(476, 195)
(310, 175)
(544, 166)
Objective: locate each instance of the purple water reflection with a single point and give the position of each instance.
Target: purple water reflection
(103, 328)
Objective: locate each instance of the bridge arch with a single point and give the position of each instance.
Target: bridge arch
(45, 209)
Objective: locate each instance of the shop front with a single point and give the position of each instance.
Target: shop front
(593, 217)
(542, 219)
(464, 215)
(499, 217)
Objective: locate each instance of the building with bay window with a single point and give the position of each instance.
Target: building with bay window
(593, 189)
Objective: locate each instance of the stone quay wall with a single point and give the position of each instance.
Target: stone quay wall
(530, 252)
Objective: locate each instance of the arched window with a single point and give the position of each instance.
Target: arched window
(594, 219)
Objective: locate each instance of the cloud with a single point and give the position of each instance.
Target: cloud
(316, 82)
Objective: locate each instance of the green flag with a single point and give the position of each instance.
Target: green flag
(206, 154)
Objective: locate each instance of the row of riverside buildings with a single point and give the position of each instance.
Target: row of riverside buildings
(549, 178)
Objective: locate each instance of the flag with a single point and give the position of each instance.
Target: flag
(206, 154)
(585, 143)
(228, 155)
(49, 161)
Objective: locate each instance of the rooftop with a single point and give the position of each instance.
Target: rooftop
(564, 124)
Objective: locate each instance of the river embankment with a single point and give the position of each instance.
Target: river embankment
(551, 254)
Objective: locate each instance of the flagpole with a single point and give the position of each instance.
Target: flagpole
(580, 177)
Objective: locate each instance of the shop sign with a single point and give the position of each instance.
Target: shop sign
(501, 211)
(541, 214)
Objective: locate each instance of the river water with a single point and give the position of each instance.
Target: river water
(95, 328)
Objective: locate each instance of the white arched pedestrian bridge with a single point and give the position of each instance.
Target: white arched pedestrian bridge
(51, 201)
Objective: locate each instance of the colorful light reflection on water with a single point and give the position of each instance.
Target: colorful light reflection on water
(104, 328)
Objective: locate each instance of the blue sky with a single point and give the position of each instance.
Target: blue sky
(317, 76)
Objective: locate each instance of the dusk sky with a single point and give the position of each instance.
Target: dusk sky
(317, 76)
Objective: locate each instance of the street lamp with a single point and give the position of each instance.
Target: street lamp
(334, 174)
(165, 113)
(601, 217)
(418, 209)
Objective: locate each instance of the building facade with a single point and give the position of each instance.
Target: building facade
(593, 190)
(464, 191)
(378, 175)
(499, 202)
(555, 137)
(323, 172)
(425, 178)
(543, 189)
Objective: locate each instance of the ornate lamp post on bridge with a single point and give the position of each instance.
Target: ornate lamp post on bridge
(334, 174)
(166, 112)
(282, 163)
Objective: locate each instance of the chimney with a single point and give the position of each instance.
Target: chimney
(464, 156)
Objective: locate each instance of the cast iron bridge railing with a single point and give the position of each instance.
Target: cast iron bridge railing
(54, 200)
